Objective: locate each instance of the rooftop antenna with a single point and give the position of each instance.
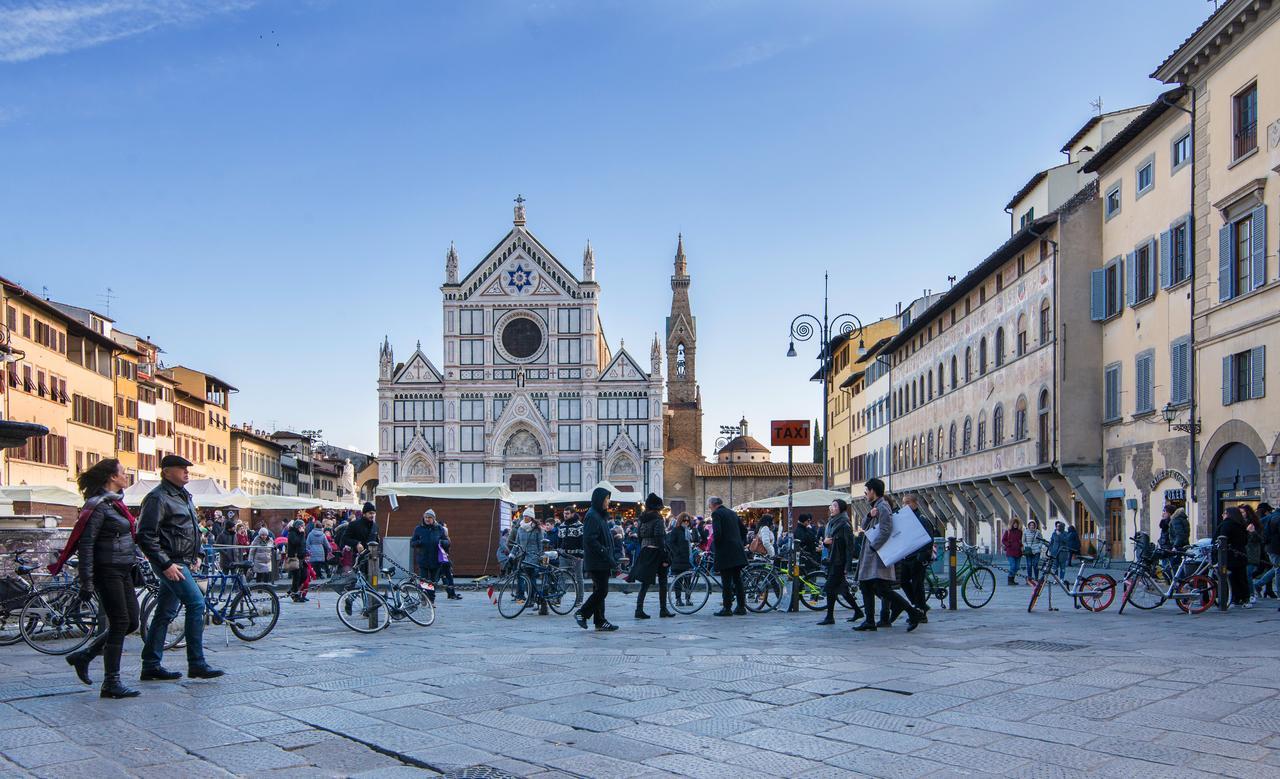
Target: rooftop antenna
(44, 291)
(1097, 105)
(951, 280)
(107, 297)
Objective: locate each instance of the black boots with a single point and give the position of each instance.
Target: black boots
(112, 688)
(644, 590)
(662, 601)
(80, 661)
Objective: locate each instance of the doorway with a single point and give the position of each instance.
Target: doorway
(523, 482)
(1115, 529)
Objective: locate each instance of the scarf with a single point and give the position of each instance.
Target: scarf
(82, 520)
(834, 523)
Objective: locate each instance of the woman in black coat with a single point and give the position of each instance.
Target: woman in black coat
(680, 551)
(653, 559)
(838, 538)
(1235, 529)
(107, 556)
(296, 549)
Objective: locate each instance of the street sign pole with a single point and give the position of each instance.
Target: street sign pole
(791, 433)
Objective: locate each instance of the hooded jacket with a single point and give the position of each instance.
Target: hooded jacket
(1179, 529)
(840, 531)
(597, 543)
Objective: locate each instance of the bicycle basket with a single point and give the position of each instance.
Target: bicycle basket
(340, 584)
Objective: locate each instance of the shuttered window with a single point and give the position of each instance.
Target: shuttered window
(1242, 254)
(1106, 290)
(1143, 400)
(1180, 371)
(1244, 375)
(1111, 393)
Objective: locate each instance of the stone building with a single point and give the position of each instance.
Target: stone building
(682, 413)
(530, 393)
(744, 471)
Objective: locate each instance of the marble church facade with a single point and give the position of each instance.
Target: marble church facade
(528, 392)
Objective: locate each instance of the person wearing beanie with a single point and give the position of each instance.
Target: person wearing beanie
(653, 560)
(528, 535)
(598, 561)
(363, 531)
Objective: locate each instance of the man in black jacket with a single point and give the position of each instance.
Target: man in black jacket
(731, 555)
(598, 561)
(363, 531)
(169, 535)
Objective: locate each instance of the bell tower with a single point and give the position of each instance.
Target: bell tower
(682, 417)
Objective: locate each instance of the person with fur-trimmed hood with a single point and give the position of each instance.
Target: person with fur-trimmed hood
(653, 560)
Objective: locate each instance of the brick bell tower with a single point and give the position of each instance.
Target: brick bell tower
(682, 414)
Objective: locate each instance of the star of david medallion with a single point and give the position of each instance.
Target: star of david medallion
(520, 278)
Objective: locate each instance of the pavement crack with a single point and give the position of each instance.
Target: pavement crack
(391, 753)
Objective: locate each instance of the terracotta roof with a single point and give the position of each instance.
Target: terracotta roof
(1133, 129)
(745, 443)
(757, 469)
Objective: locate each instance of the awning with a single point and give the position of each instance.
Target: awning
(135, 492)
(803, 498)
(477, 491)
(42, 493)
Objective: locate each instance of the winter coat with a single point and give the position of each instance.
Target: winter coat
(317, 545)
(1237, 538)
(653, 548)
(1253, 548)
(1271, 532)
(1011, 541)
(726, 539)
(1033, 540)
(767, 538)
(679, 549)
(168, 530)
(597, 541)
(1179, 529)
(876, 531)
(260, 553)
(1057, 543)
(1073, 540)
(530, 540)
(296, 544)
(107, 538)
(571, 537)
(807, 541)
(360, 531)
(840, 552)
(426, 543)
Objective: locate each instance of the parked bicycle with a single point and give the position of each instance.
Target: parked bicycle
(976, 579)
(1094, 592)
(249, 610)
(691, 590)
(1191, 585)
(538, 583)
(368, 609)
(14, 591)
(764, 581)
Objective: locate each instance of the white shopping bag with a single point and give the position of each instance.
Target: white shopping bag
(907, 537)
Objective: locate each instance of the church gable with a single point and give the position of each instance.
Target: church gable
(623, 368)
(418, 370)
(519, 266)
(521, 414)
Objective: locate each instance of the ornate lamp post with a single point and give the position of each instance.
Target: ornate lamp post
(803, 328)
(727, 434)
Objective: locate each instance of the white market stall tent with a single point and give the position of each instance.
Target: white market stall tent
(42, 493)
(806, 498)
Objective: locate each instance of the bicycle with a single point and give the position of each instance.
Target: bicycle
(691, 589)
(250, 610)
(763, 583)
(14, 591)
(358, 600)
(542, 582)
(1190, 586)
(977, 580)
(1094, 592)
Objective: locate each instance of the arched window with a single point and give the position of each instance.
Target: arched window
(1046, 323)
(968, 364)
(921, 462)
(997, 425)
(1020, 419)
(931, 386)
(951, 441)
(1021, 346)
(913, 395)
(1042, 445)
(941, 385)
(999, 346)
(929, 451)
(982, 431)
(915, 452)
(982, 356)
(921, 382)
(955, 375)
(968, 434)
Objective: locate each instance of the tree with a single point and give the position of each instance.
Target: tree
(819, 444)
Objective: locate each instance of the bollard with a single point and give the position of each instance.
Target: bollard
(951, 572)
(371, 573)
(1224, 588)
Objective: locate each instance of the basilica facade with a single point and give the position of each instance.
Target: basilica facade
(529, 392)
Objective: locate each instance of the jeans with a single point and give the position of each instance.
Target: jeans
(187, 594)
(1013, 566)
(1266, 578)
(114, 584)
(1033, 566)
(1063, 561)
(593, 609)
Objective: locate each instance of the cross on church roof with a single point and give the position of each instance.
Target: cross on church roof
(519, 220)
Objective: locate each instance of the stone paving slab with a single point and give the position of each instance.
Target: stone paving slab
(1151, 694)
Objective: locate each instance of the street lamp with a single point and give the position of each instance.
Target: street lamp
(727, 434)
(803, 328)
(1170, 413)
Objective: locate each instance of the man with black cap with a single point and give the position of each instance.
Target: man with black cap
(169, 535)
(598, 561)
(363, 531)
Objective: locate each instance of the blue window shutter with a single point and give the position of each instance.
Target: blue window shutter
(1224, 264)
(1152, 265)
(1166, 259)
(1139, 365)
(1257, 372)
(1227, 380)
(1258, 260)
(1098, 294)
(1131, 278)
(1179, 389)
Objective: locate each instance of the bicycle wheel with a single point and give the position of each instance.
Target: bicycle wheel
(176, 632)
(57, 621)
(763, 591)
(417, 605)
(355, 606)
(562, 592)
(979, 587)
(10, 627)
(1035, 594)
(813, 591)
(1196, 594)
(1098, 592)
(1145, 593)
(690, 592)
(253, 614)
(510, 606)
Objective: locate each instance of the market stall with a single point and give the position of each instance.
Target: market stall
(474, 513)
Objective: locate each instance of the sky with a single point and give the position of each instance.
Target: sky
(268, 188)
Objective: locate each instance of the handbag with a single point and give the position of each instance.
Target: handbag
(757, 547)
(291, 564)
(1028, 551)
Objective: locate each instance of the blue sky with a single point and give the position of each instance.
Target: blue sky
(270, 187)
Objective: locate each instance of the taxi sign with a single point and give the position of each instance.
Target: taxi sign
(789, 432)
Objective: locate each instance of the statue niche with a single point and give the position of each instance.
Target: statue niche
(522, 445)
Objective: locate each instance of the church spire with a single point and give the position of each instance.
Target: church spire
(451, 265)
(589, 263)
(655, 357)
(682, 265)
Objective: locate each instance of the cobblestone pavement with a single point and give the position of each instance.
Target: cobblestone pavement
(994, 691)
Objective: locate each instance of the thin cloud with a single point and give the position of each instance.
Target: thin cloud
(41, 28)
(761, 51)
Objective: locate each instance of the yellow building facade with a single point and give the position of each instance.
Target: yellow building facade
(213, 396)
(255, 462)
